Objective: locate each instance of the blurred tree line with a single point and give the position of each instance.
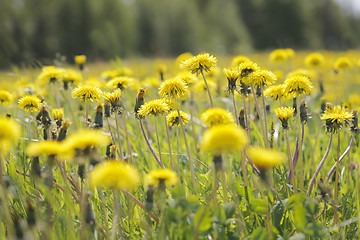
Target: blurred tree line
(35, 30)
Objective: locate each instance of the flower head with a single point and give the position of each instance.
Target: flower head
(232, 74)
(279, 55)
(260, 78)
(187, 77)
(236, 61)
(265, 158)
(314, 60)
(174, 88)
(158, 177)
(80, 59)
(5, 97)
(342, 63)
(224, 138)
(87, 92)
(48, 148)
(58, 113)
(247, 68)
(72, 76)
(302, 72)
(276, 92)
(298, 85)
(115, 175)
(173, 119)
(50, 74)
(199, 62)
(86, 138)
(10, 131)
(121, 82)
(215, 116)
(336, 117)
(284, 113)
(29, 103)
(172, 103)
(153, 107)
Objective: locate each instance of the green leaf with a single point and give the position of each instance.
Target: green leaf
(259, 206)
(203, 219)
(277, 213)
(295, 200)
(300, 216)
(258, 234)
(229, 209)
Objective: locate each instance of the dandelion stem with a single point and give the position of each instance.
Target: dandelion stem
(3, 199)
(247, 120)
(259, 112)
(118, 135)
(336, 215)
(291, 175)
(208, 89)
(265, 118)
(312, 182)
(157, 138)
(127, 138)
(140, 204)
(235, 109)
(188, 152)
(169, 144)
(149, 145)
(113, 138)
(86, 114)
(347, 150)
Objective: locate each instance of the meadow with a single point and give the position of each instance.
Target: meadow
(262, 146)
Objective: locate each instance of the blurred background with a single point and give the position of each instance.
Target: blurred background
(33, 31)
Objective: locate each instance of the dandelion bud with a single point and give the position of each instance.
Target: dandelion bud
(99, 116)
(354, 121)
(139, 100)
(304, 116)
(63, 130)
(107, 111)
(242, 118)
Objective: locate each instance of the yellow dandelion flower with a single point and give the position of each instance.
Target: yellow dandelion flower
(50, 74)
(161, 177)
(199, 62)
(29, 103)
(260, 78)
(187, 77)
(70, 75)
(215, 116)
(200, 87)
(87, 92)
(87, 138)
(290, 53)
(113, 97)
(153, 107)
(336, 117)
(10, 131)
(172, 103)
(247, 68)
(342, 63)
(302, 72)
(124, 71)
(5, 97)
(57, 113)
(265, 158)
(161, 68)
(278, 55)
(121, 82)
(151, 82)
(48, 148)
(109, 74)
(314, 60)
(173, 119)
(224, 138)
(298, 85)
(174, 88)
(276, 92)
(284, 113)
(182, 57)
(232, 74)
(80, 59)
(114, 175)
(236, 61)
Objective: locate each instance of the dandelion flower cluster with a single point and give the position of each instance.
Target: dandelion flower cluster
(173, 88)
(224, 138)
(114, 175)
(153, 107)
(265, 158)
(215, 116)
(199, 62)
(29, 103)
(158, 177)
(87, 93)
(173, 119)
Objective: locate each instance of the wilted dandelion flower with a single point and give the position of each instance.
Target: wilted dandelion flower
(10, 131)
(153, 107)
(87, 138)
(236, 61)
(232, 74)
(275, 92)
(265, 158)
(114, 175)
(121, 82)
(161, 177)
(174, 88)
(336, 117)
(260, 78)
(29, 103)
(199, 62)
(278, 55)
(342, 63)
(298, 85)
(284, 113)
(173, 119)
(224, 138)
(87, 92)
(5, 97)
(314, 60)
(215, 116)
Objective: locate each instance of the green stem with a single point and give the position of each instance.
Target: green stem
(235, 109)
(127, 138)
(336, 215)
(169, 144)
(265, 118)
(118, 136)
(259, 112)
(208, 89)
(157, 138)
(113, 138)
